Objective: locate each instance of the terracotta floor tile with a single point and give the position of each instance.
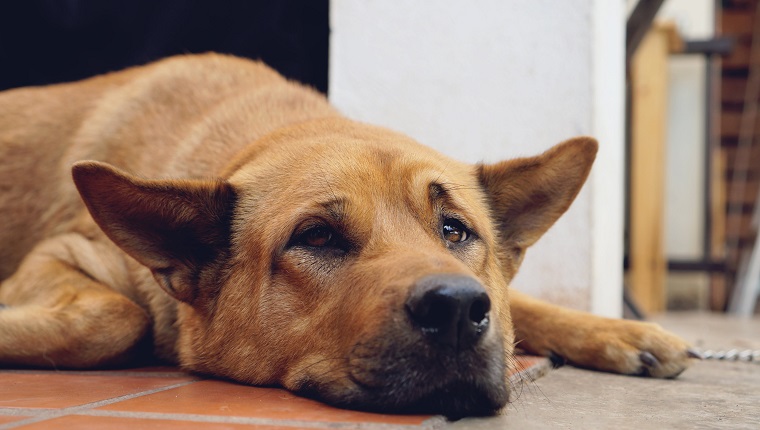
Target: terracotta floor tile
(117, 423)
(228, 399)
(209, 398)
(60, 390)
(152, 369)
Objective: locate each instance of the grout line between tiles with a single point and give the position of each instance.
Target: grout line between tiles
(430, 423)
(23, 412)
(55, 413)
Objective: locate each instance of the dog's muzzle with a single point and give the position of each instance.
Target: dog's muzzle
(437, 352)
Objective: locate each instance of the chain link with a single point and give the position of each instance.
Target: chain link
(745, 355)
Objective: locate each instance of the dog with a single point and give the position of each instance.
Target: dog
(230, 221)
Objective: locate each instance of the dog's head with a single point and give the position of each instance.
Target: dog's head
(345, 261)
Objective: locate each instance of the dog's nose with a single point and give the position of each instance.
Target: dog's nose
(450, 309)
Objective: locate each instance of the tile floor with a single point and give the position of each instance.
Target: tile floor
(163, 398)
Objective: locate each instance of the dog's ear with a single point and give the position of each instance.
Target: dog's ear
(527, 195)
(180, 230)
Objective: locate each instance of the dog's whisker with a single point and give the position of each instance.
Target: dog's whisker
(445, 166)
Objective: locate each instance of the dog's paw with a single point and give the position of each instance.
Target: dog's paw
(635, 348)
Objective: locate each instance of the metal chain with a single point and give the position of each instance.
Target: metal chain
(745, 355)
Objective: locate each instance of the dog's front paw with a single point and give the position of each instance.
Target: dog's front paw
(634, 348)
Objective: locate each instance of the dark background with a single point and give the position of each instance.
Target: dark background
(49, 41)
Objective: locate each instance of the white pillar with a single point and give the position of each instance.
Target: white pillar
(608, 177)
(492, 79)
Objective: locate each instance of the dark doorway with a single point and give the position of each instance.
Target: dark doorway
(49, 41)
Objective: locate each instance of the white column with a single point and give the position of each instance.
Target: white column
(607, 178)
(492, 79)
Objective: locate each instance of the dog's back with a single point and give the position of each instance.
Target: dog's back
(181, 117)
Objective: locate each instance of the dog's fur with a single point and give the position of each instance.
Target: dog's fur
(260, 236)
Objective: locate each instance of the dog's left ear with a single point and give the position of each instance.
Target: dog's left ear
(527, 195)
(180, 230)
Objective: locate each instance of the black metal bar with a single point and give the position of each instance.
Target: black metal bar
(696, 266)
(630, 306)
(716, 46)
(708, 48)
(707, 228)
(638, 24)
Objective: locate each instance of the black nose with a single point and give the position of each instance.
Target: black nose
(450, 309)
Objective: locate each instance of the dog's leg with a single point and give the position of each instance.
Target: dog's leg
(58, 314)
(585, 340)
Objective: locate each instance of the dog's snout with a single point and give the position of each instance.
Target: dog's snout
(450, 309)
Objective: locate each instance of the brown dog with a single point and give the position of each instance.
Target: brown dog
(303, 249)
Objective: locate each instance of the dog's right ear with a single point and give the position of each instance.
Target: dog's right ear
(179, 229)
(527, 195)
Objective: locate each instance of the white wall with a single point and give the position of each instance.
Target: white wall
(492, 79)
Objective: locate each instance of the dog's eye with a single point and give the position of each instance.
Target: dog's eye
(454, 231)
(317, 237)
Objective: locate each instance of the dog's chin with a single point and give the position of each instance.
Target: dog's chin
(403, 371)
(455, 385)
(455, 398)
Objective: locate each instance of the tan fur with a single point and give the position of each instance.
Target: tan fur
(205, 259)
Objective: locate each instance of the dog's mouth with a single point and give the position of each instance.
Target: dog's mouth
(455, 396)
(455, 400)
(418, 380)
